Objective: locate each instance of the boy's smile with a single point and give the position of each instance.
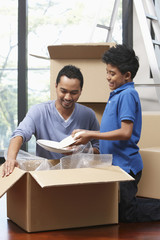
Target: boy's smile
(116, 78)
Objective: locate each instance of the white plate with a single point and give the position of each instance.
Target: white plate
(69, 140)
(66, 142)
(52, 146)
(58, 147)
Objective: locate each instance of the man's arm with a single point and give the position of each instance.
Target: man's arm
(13, 149)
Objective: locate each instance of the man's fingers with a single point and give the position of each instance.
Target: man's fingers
(5, 170)
(8, 167)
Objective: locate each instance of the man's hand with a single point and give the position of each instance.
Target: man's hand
(9, 166)
(13, 150)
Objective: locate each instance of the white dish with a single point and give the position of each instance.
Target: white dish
(52, 146)
(58, 147)
(67, 142)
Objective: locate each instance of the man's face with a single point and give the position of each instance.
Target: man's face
(68, 91)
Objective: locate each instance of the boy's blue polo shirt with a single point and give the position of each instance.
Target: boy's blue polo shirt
(123, 104)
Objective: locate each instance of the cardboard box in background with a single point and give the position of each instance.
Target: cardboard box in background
(149, 183)
(150, 151)
(59, 199)
(98, 108)
(88, 58)
(150, 135)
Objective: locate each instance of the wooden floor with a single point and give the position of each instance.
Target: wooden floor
(136, 231)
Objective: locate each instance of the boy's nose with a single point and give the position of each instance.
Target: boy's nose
(108, 77)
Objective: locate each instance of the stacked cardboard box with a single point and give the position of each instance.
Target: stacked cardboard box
(149, 183)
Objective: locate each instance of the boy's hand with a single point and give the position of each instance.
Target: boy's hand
(83, 137)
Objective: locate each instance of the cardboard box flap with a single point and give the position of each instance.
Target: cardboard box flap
(80, 176)
(8, 182)
(78, 51)
(38, 56)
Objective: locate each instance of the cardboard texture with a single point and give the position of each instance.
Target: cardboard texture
(58, 199)
(149, 183)
(88, 58)
(150, 135)
(98, 108)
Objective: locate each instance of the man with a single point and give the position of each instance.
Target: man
(54, 120)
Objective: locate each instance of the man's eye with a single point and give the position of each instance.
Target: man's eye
(63, 91)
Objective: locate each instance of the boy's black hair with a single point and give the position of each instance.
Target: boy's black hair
(70, 71)
(123, 58)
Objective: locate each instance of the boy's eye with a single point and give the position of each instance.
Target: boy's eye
(111, 73)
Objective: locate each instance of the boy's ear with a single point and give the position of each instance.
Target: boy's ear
(128, 76)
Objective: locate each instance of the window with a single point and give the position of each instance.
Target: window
(49, 22)
(57, 22)
(8, 70)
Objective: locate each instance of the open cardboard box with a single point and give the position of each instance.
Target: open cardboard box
(59, 199)
(149, 183)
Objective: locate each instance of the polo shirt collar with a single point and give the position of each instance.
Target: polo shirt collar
(123, 87)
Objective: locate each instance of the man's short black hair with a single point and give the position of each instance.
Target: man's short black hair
(123, 58)
(70, 71)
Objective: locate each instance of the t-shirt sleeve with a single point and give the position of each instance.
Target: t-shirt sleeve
(27, 127)
(127, 107)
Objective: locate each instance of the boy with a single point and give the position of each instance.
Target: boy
(120, 132)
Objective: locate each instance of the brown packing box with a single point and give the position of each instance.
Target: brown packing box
(88, 58)
(150, 136)
(59, 199)
(149, 183)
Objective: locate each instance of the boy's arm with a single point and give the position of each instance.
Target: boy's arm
(13, 149)
(123, 133)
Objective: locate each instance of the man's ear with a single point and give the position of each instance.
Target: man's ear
(56, 85)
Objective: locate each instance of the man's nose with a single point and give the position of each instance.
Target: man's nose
(68, 96)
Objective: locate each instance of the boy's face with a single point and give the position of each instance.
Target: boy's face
(115, 78)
